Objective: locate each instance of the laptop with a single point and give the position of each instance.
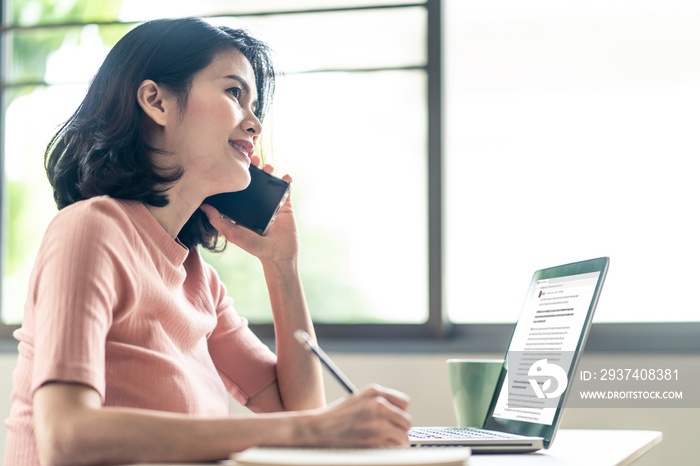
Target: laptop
(542, 357)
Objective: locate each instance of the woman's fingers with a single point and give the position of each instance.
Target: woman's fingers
(391, 406)
(256, 161)
(215, 218)
(395, 397)
(225, 225)
(374, 417)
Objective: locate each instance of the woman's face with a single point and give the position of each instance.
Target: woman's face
(214, 137)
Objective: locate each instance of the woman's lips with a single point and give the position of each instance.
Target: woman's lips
(244, 147)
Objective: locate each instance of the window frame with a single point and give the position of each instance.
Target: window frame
(5, 330)
(437, 333)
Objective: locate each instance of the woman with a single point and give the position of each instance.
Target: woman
(130, 344)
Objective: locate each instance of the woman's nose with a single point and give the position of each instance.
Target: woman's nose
(253, 125)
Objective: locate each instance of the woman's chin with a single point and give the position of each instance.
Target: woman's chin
(239, 182)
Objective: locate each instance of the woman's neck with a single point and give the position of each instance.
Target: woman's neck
(173, 216)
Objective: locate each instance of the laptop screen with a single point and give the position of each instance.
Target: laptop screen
(545, 348)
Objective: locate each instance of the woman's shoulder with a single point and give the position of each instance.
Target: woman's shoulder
(101, 215)
(87, 234)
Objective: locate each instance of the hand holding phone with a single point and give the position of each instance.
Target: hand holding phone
(257, 206)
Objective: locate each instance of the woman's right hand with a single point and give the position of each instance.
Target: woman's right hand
(374, 417)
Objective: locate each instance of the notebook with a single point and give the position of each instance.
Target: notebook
(541, 358)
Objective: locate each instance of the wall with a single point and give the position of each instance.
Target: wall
(424, 379)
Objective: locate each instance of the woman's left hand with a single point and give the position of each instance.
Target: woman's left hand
(281, 241)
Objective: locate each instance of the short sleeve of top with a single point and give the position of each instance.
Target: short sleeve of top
(118, 305)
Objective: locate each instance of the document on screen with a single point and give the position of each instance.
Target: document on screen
(542, 348)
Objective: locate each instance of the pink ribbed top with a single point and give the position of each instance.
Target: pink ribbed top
(116, 304)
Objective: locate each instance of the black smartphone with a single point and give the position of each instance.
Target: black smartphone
(255, 207)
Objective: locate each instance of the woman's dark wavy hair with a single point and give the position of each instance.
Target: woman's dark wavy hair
(101, 148)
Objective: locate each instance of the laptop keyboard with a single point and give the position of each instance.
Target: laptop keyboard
(456, 433)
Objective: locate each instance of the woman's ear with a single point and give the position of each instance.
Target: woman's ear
(155, 101)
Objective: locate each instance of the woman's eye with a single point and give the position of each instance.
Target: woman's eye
(235, 91)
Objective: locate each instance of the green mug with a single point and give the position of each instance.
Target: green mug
(472, 383)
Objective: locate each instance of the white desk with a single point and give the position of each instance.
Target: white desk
(570, 448)
(582, 447)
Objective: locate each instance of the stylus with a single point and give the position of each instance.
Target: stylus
(305, 340)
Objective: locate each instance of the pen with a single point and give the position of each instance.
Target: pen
(305, 340)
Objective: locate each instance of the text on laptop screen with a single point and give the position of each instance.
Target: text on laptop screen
(543, 345)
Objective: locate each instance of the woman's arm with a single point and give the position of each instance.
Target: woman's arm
(73, 428)
(299, 377)
(299, 374)
(299, 383)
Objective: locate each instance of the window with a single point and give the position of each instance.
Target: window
(350, 112)
(349, 124)
(40, 92)
(571, 134)
(566, 133)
